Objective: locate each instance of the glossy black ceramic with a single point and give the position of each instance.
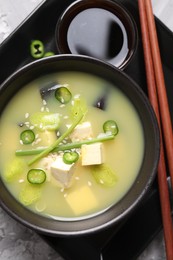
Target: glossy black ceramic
(113, 7)
(143, 182)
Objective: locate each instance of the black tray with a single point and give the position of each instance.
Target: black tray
(132, 236)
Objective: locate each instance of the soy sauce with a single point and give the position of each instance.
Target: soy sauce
(98, 33)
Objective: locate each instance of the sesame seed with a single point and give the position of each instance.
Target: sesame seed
(65, 195)
(32, 127)
(44, 102)
(38, 140)
(77, 96)
(26, 115)
(62, 190)
(21, 142)
(101, 181)
(47, 109)
(42, 109)
(66, 117)
(89, 183)
(77, 178)
(21, 180)
(21, 124)
(40, 206)
(62, 105)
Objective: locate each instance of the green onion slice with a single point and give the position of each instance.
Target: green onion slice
(104, 175)
(27, 137)
(36, 176)
(110, 126)
(63, 95)
(70, 157)
(45, 120)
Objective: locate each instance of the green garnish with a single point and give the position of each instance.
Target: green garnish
(27, 137)
(36, 176)
(65, 147)
(30, 194)
(70, 157)
(58, 141)
(45, 120)
(49, 53)
(78, 104)
(63, 95)
(37, 49)
(111, 127)
(14, 169)
(104, 175)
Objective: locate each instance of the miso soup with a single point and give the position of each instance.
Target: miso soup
(71, 145)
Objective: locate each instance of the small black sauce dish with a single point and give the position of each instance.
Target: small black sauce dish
(101, 28)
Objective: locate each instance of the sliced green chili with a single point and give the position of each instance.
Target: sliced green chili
(37, 49)
(27, 136)
(63, 95)
(111, 127)
(36, 176)
(70, 157)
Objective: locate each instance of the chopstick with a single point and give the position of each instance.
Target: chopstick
(158, 99)
(161, 88)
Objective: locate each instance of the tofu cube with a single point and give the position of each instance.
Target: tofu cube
(46, 163)
(81, 132)
(62, 172)
(82, 200)
(92, 154)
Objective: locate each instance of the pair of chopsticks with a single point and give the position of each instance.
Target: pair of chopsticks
(158, 98)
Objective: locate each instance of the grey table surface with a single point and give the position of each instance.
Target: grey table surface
(16, 241)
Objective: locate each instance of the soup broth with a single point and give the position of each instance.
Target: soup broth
(89, 191)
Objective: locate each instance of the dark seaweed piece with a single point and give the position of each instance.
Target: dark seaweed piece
(101, 102)
(48, 89)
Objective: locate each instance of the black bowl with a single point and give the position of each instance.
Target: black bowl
(103, 29)
(144, 180)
